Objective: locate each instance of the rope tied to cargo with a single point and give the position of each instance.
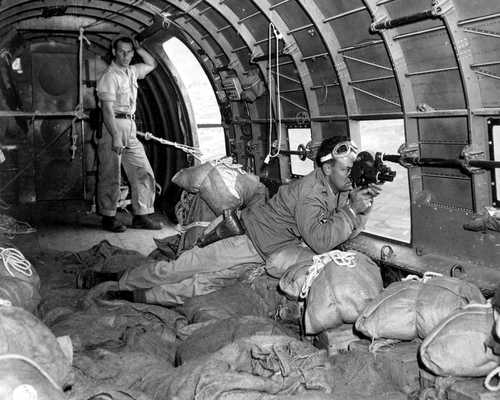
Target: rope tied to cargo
(487, 381)
(425, 278)
(194, 151)
(342, 258)
(13, 259)
(33, 364)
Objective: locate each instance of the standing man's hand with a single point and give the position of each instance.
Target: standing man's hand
(117, 146)
(361, 199)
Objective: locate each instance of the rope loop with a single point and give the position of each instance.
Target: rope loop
(342, 258)
(487, 381)
(13, 259)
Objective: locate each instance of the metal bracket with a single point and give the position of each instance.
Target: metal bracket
(470, 153)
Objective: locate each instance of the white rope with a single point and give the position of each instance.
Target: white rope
(32, 363)
(425, 278)
(272, 30)
(5, 303)
(13, 259)
(487, 381)
(194, 151)
(342, 258)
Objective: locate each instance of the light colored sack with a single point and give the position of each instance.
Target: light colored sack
(19, 293)
(278, 262)
(22, 334)
(343, 288)
(293, 280)
(456, 347)
(392, 313)
(412, 308)
(439, 297)
(222, 185)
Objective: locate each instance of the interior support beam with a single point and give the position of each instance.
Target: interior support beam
(332, 44)
(461, 47)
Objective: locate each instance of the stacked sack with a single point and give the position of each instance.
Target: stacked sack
(337, 286)
(412, 308)
(222, 185)
(19, 282)
(32, 361)
(456, 346)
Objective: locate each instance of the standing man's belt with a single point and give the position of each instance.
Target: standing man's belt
(125, 116)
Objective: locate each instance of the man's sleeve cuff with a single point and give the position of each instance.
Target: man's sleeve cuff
(106, 96)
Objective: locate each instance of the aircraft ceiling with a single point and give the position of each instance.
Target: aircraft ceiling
(332, 65)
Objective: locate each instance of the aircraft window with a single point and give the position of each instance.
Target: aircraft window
(390, 216)
(210, 133)
(296, 137)
(495, 147)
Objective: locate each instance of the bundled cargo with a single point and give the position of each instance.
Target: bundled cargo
(25, 336)
(278, 262)
(19, 282)
(221, 185)
(456, 347)
(13, 264)
(337, 286)
(412, 308)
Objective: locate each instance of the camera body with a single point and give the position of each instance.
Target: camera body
(368, 169)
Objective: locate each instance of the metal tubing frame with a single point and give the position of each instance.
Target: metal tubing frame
(360, 46)
(482, 32)
(431, 71)
(371, 94)
(366, 62)
(420, 32)
(344, 14)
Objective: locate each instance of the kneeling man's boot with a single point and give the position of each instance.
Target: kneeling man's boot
(134, 296)
(88, 279)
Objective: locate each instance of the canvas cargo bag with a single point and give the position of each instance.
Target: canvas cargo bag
(278, 262)
(412, 308)
(439, 297)
(343, 288)
(456, 347)
(19, 293)
(392, 313)
(22, 334)
(221, 185)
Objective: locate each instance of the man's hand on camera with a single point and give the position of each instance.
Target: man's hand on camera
(362, 198)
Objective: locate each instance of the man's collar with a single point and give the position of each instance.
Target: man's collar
(115, 66)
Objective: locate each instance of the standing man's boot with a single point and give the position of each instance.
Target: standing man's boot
(145, 222)
(112, 224)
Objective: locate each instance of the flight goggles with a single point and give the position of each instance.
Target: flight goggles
(341, 149)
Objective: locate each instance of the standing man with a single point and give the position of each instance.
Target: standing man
(321, 210)
(117, 93)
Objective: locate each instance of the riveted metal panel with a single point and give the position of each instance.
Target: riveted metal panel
(441, 90)
(449, 192)
(330, 101)
(293, 15)
(443, 130)
(376, 54)
(386, 89)
(428, 51)
(309, 42)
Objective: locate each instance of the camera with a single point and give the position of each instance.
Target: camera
(368, 169)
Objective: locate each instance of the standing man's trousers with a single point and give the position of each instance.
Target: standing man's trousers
(137, 168)
(195, 272)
